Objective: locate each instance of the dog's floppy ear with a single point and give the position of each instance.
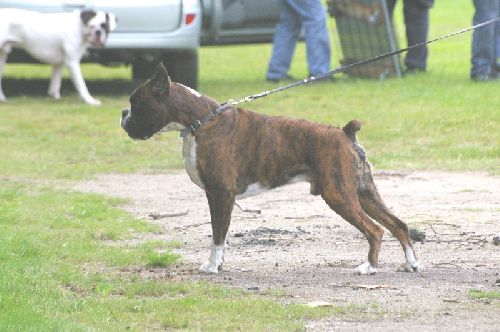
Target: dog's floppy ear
(87, 15)
(111, 21)
(160, 81)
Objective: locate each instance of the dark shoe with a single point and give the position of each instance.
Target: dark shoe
(287, 78)
(413, 71)
(484, 77)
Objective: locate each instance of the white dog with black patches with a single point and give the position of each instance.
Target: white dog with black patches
(59, 39)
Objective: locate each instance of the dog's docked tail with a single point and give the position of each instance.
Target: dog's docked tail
(351, 128)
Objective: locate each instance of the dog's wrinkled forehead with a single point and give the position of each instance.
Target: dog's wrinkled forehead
(155, 89)
(136, 97)
(142, 98)
(150, 101)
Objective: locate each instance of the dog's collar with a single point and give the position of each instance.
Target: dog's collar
(207, 117)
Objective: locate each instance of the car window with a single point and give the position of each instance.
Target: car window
(46, 6)
(250, 13)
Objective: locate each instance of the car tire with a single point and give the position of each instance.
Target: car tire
(141, 71)
(182, 67)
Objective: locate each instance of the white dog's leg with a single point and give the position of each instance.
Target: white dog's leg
(55, 81)
(77, 78)
(3, 60)
(216, 259)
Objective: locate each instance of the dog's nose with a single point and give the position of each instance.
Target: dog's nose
(124, 113)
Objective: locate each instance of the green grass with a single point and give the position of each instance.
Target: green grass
(479, 294)
(58, 269)
(159, 255)
(57, 273)
(437, 120)
(70, 227)
(54, 140)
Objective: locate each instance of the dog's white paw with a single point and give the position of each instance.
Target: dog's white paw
(409, 267)
(55, 95)
(366, 269)
(214, 265)
(93, 102)
(411, 264)
(208, 267)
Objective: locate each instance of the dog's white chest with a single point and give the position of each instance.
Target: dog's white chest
(189, 155)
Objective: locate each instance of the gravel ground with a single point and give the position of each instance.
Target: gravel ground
(290, 241)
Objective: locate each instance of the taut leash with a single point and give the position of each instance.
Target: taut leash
(231, 102)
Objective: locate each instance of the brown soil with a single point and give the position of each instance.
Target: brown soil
(292, 242)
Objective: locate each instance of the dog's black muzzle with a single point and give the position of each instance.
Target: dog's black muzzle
(125, 118)
(125, 113)
(131, 127)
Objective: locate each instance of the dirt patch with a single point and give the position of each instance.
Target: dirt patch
(288, 240)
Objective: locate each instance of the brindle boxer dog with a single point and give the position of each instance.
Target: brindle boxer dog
(240, 153)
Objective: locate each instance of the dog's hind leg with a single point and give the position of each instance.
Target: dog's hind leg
(374, 206)
(221, 204)
(55, 81)
(348, 207)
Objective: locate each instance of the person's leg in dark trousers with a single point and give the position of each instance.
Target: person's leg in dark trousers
(285, 39)
(416, 15)
(483, 40)
(497, 41)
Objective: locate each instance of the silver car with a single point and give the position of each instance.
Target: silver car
(171, 31)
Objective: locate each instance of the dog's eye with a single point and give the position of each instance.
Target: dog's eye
(104, 26)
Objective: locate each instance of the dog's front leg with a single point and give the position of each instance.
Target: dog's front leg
(77, 78)
(221, 204)
(55, 82)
